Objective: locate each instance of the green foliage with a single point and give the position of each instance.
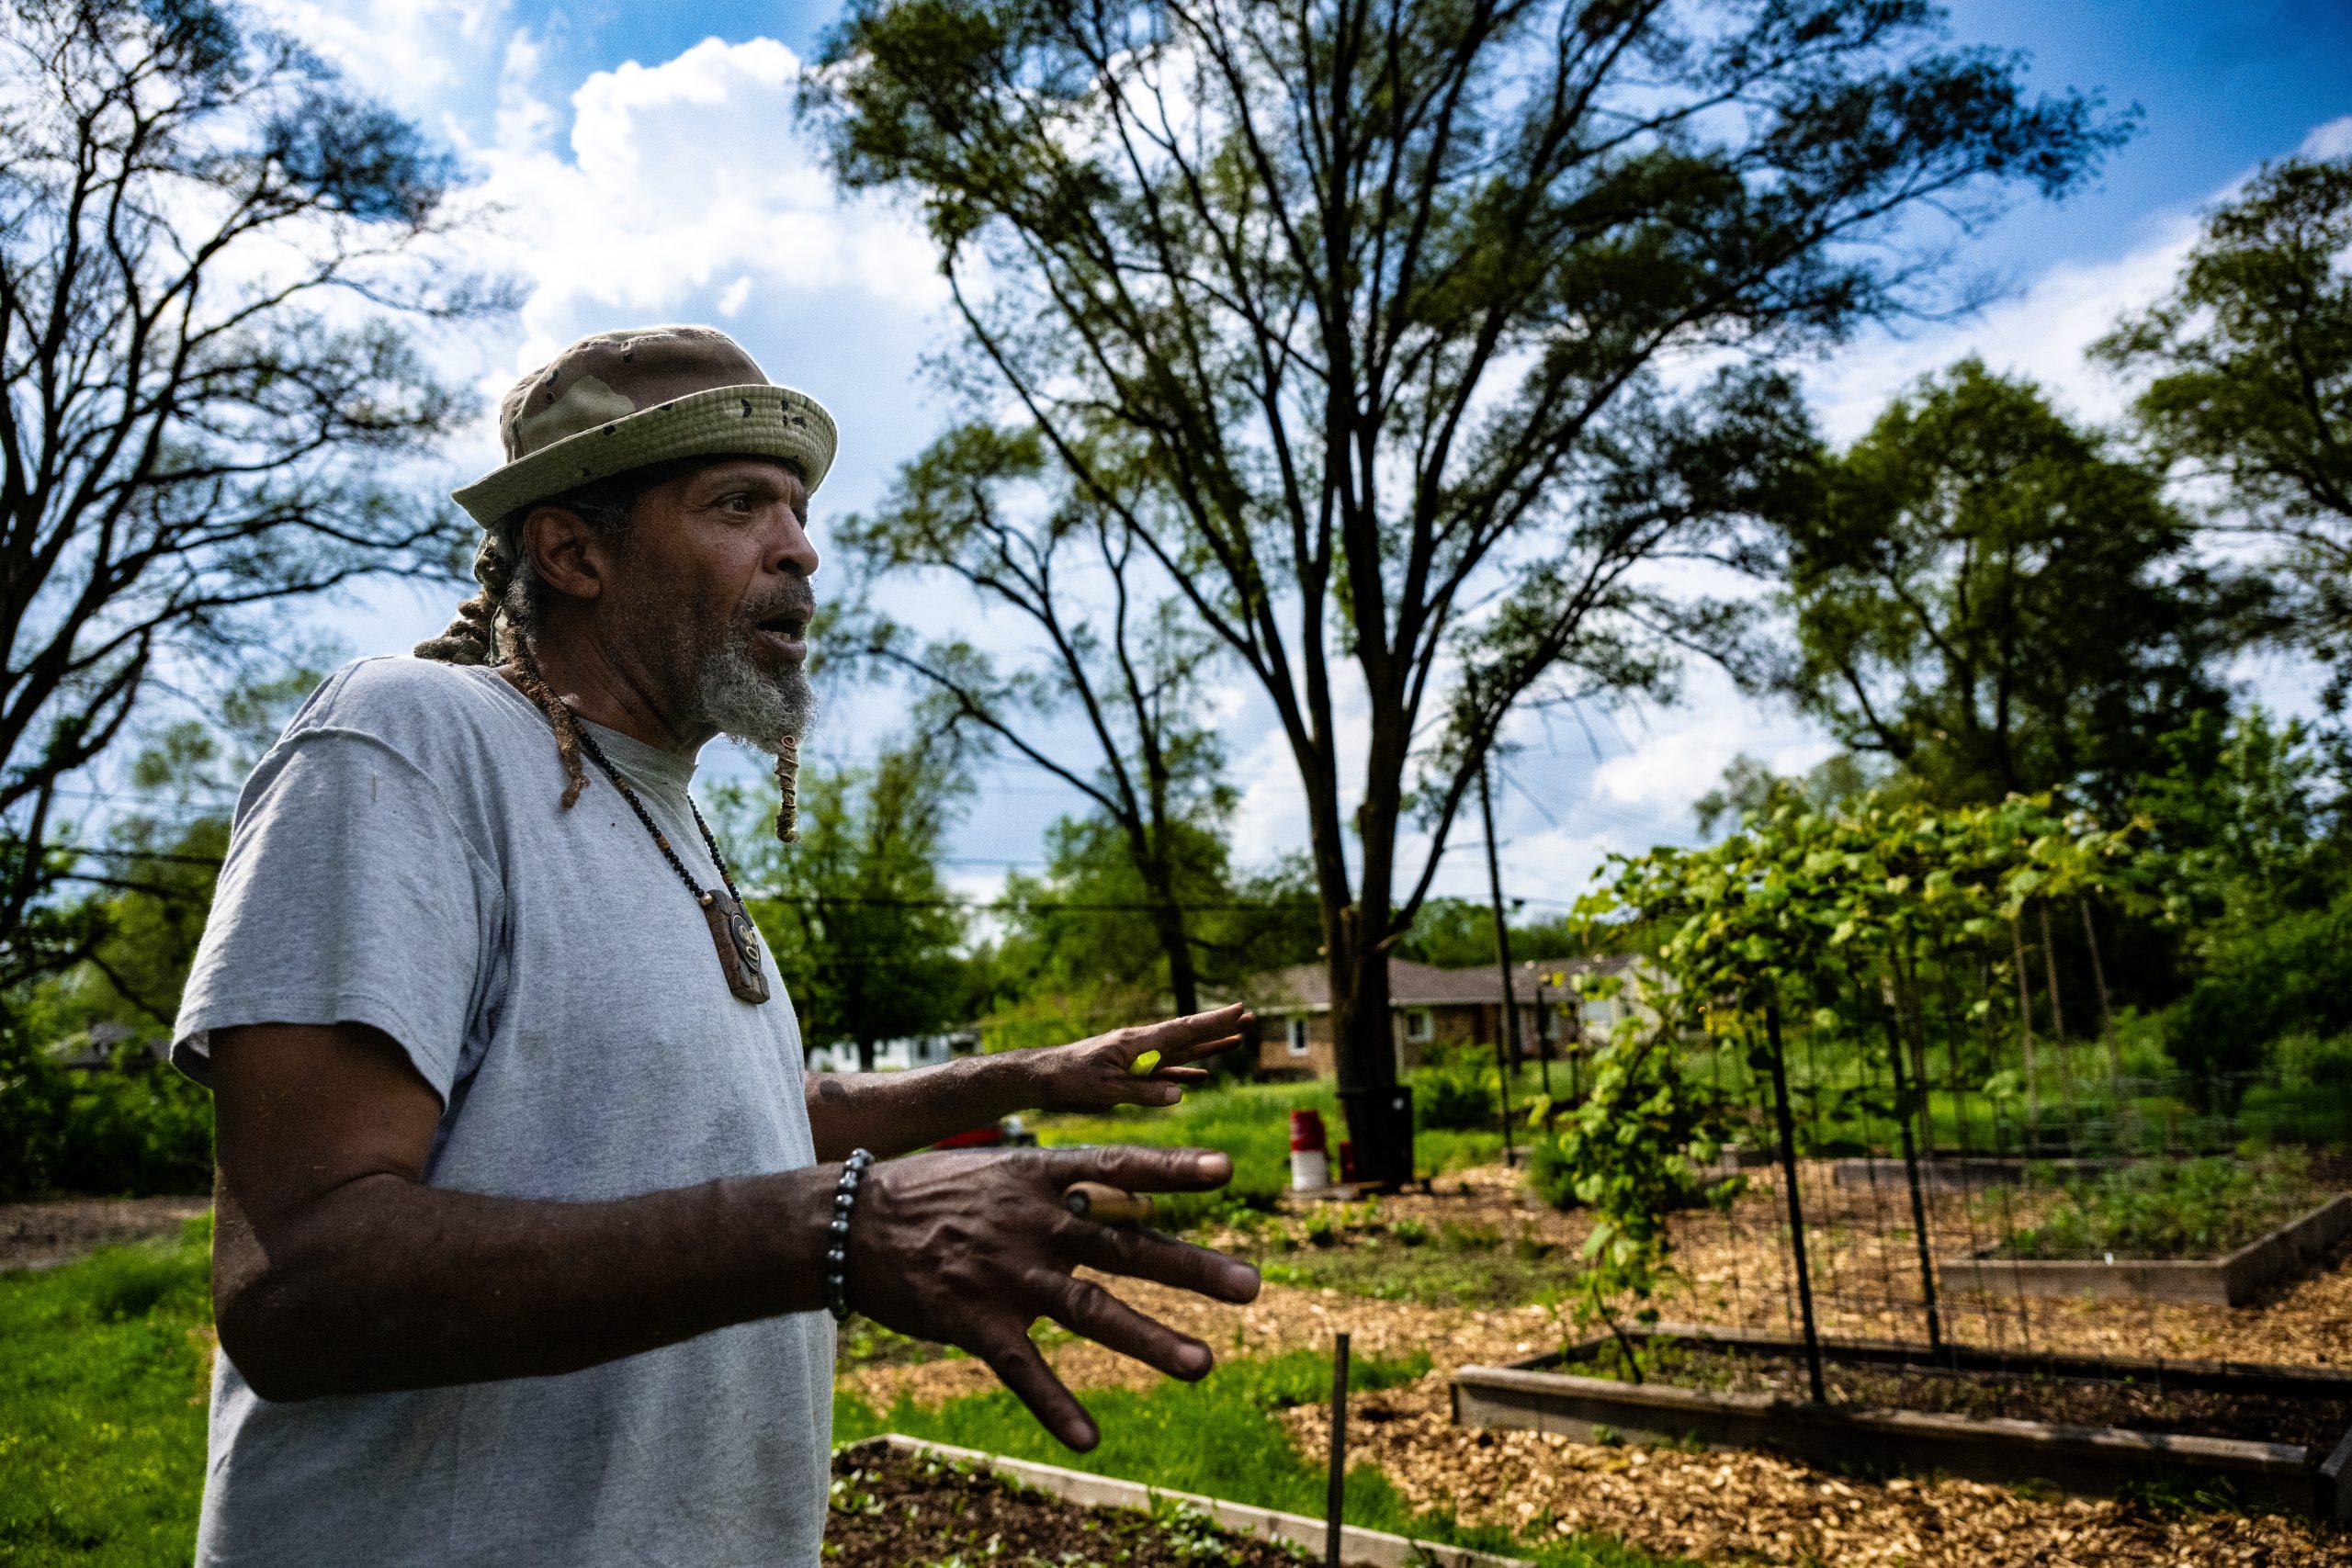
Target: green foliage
(102, 1406)
(1081, 943)
(860, 919)
(2165, 1208)
(1220, 1438)
(1989, 600)
(1458, 1088)
(2252, 362)
(1458, 933)
(136, 1128)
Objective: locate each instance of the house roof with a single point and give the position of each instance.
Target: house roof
(1306, 988)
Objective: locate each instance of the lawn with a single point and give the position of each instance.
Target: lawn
(102, 1406)
(1251, 1123)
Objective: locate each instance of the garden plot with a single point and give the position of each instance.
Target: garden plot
(891, 1508)
(2215, 1231)
(2266, 1438)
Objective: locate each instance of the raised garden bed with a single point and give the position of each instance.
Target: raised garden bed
(898, 1500)
(2275, 1437)
(1955, 1173)
(2233, 1279)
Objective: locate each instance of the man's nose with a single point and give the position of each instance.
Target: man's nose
(794, 550)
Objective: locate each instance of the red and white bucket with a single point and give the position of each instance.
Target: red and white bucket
(1310, 1158)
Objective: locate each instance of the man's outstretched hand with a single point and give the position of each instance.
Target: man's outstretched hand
(969, 1247)
(1094, 1074)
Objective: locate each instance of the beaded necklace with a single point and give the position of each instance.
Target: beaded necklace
(731, 931)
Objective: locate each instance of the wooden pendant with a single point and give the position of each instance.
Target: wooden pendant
(737, 940)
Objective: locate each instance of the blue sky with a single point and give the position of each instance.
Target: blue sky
(647, 168)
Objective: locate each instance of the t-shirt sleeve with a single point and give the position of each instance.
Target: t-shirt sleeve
(349, 894)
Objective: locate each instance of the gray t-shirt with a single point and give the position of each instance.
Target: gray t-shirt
(401, 859)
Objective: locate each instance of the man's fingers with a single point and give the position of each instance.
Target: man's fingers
(1162, 1259)
(1199, 1051)
(1175, 1037)
(1086, 1308)
(1017, 1365)
(1140, 1169)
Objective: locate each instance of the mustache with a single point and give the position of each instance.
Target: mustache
(796, 602)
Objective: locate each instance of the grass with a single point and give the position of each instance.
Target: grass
(1345, 1247)
(1251, 1123)
(1220, 1438)
(102, 1406)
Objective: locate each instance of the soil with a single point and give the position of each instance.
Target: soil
(892, 1509)
(2317, 1424)
(45, 1234)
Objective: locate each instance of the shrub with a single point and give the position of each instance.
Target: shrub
(139, 1128)
(1457, 1091)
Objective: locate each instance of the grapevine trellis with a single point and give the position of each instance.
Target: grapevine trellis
(1853, 938)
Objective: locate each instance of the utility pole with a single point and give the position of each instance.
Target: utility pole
(1508, 1032)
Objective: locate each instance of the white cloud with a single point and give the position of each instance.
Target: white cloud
(2040, 332)
(2332, 140)
(680, 178)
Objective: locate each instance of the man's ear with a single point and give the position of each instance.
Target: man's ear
(561, 548)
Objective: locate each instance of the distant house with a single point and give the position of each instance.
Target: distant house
(1431, 1007)
(99, 1048)
(895, 1055)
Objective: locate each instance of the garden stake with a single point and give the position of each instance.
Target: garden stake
(1507, 1055)
(2058, 1032)
(1911, 1173)
(1336, 1495)
(2025, 1027)
(1796, 1207)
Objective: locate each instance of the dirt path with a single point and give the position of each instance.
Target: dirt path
(58, 1230)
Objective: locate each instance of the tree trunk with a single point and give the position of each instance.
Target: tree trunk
(1176, 943)
(864, 1055)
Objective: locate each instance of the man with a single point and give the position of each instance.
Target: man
(526, 1219)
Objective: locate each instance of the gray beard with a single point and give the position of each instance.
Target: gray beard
(749, 705)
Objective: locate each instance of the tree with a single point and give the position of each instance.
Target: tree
(1080, 951)
(1749, 785)
(861, 921)
(1987, 599)
(1130, 675)
(1352, 316)
(2252, 359)
(211, 269)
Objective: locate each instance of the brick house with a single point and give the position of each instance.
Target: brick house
(1429, 1009)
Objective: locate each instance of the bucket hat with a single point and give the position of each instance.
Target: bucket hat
(626, 400)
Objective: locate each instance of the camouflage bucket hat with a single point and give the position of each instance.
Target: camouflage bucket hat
(627, 400)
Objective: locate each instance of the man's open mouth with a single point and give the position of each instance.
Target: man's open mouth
(788, 631)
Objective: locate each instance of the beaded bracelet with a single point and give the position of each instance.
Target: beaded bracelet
(837, 1248)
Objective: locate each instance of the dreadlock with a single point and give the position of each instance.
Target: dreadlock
(500, 624)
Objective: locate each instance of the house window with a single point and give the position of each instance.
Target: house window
(1600, 1013)
(1417, 1025)
(1297, 1036)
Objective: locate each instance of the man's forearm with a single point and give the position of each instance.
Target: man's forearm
(386, 1284)
(892, 1113)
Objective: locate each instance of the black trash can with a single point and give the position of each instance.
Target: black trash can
(1379, 1123)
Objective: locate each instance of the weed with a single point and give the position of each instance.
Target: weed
(1471, 1238)
(1410, 1231)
